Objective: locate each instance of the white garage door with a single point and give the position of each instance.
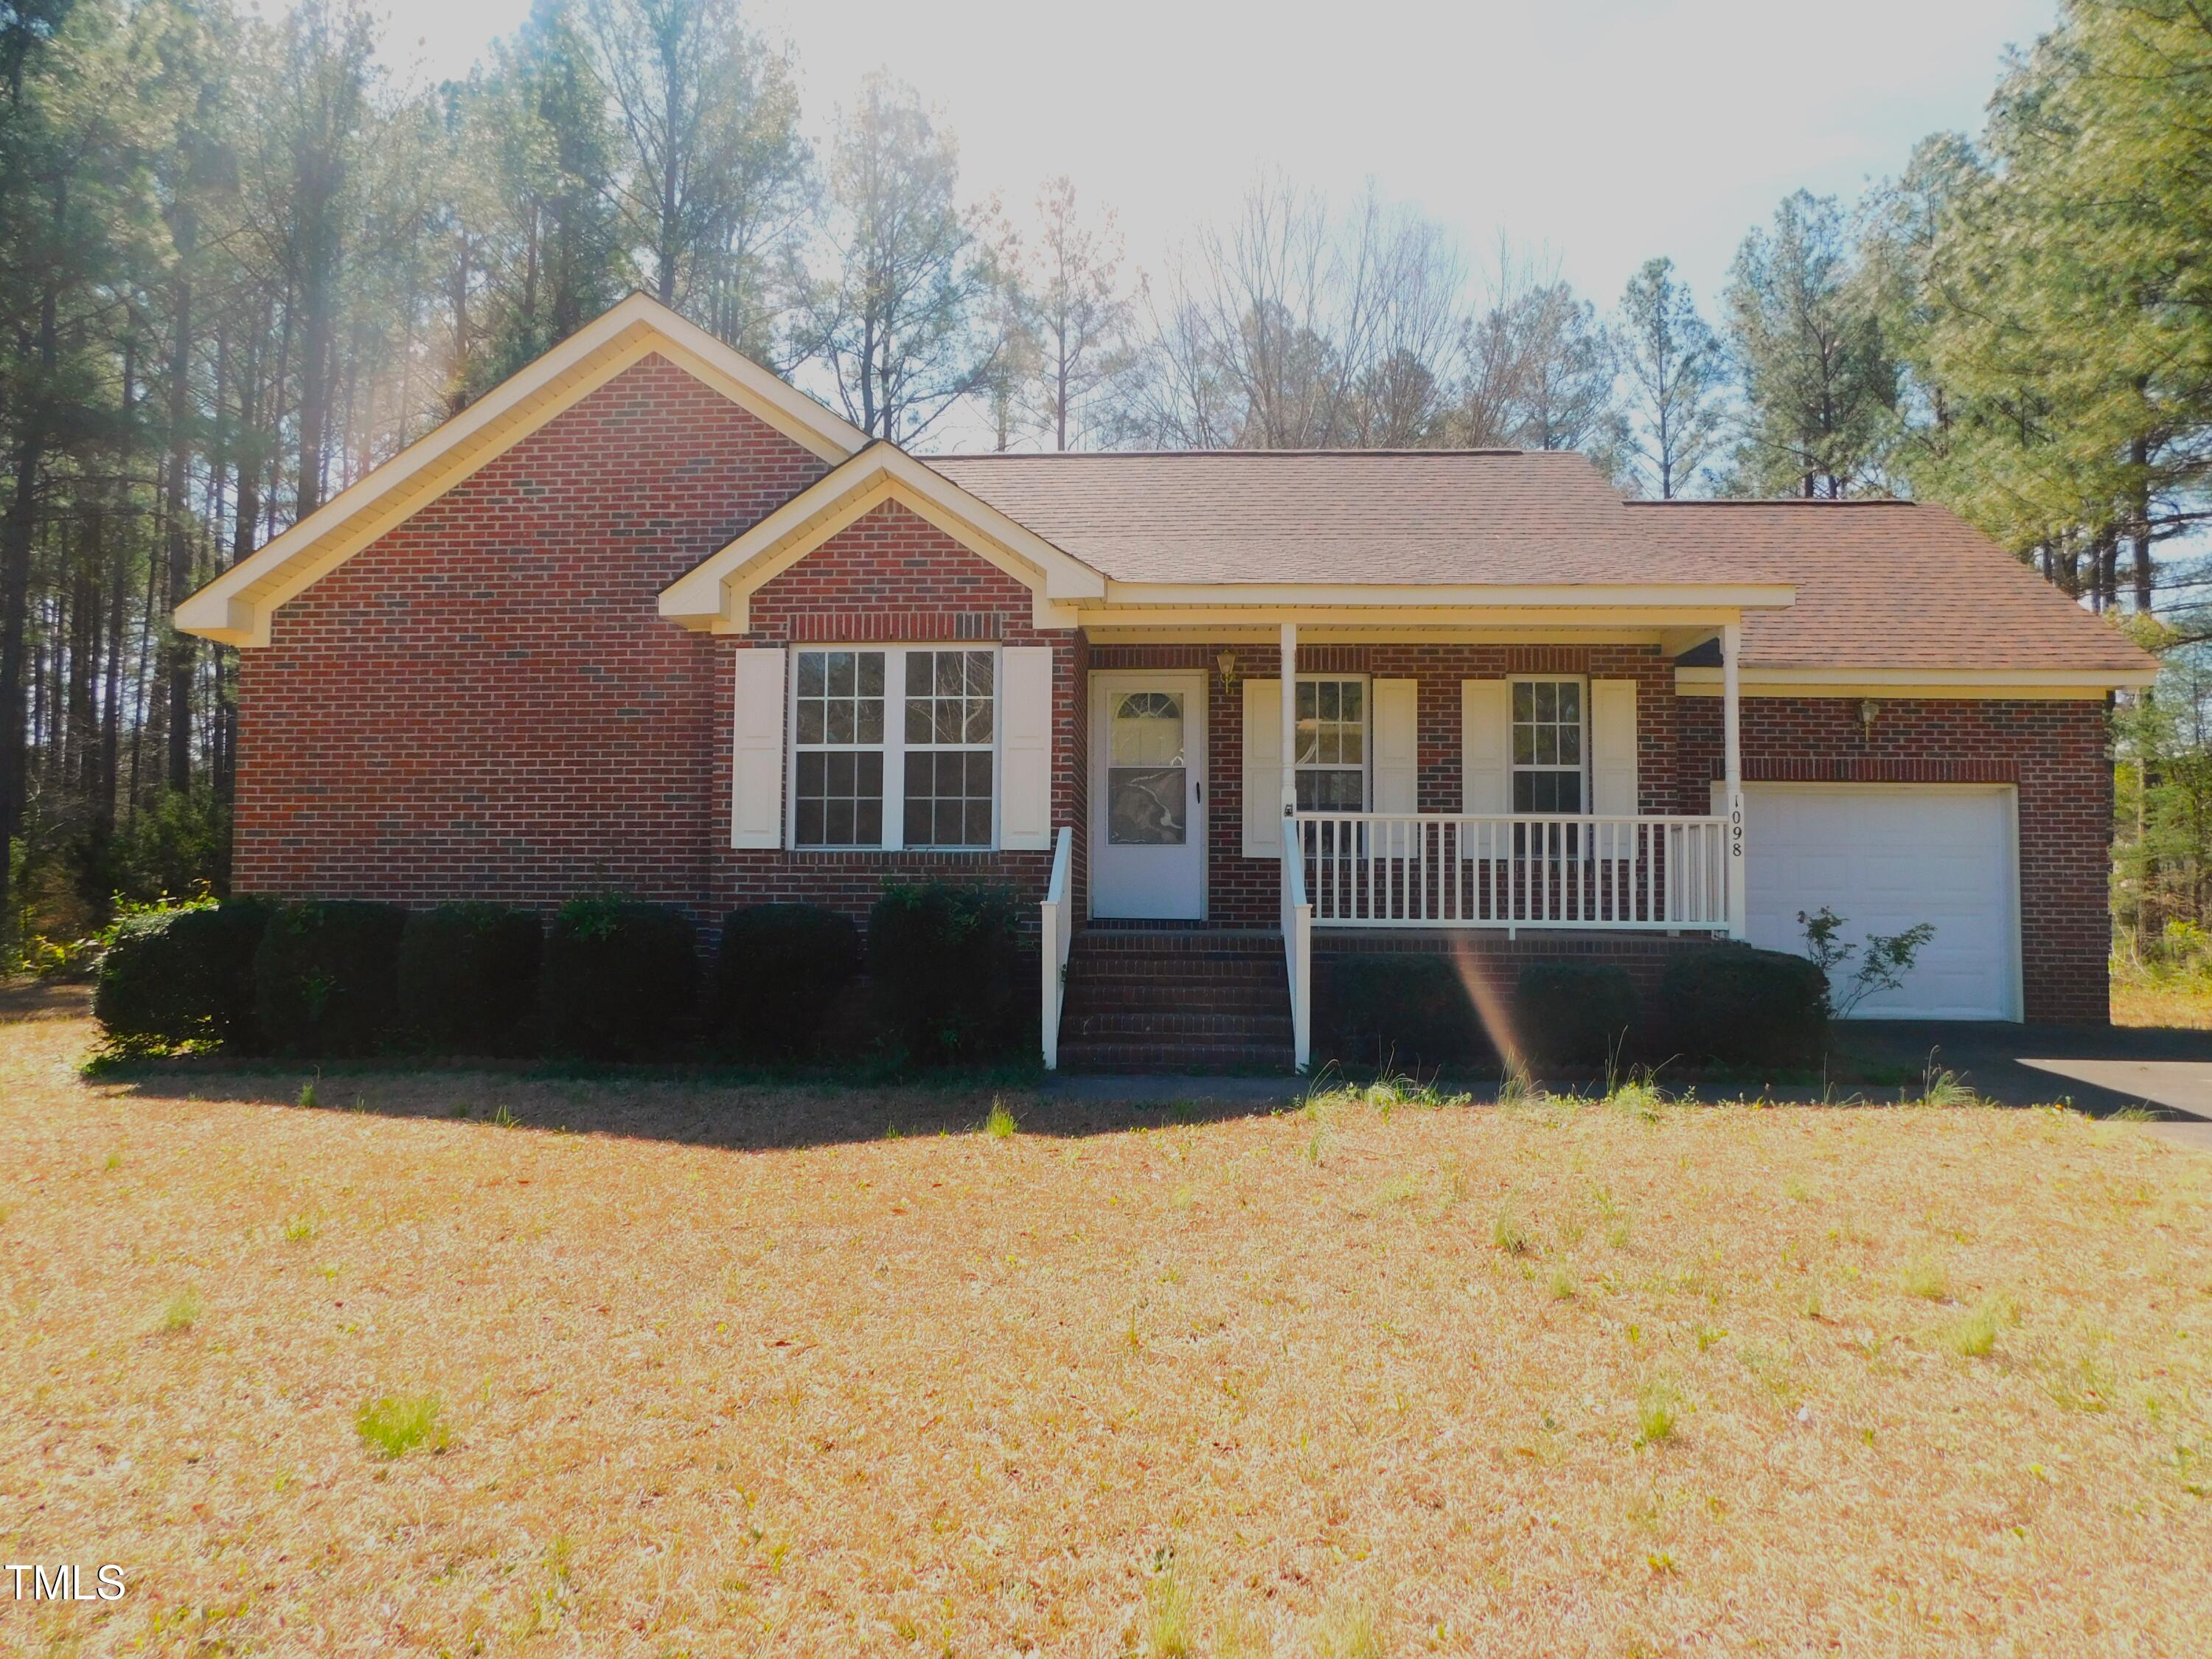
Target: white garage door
(1884, 857)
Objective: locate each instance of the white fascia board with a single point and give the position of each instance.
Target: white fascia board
(712, 595)
(1897, 681)
(235, 607)
(1712, 599)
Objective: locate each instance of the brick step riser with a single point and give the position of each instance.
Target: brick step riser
(1176, 973)
(1244, 1027)
(1215, 1007)
(1115, 1057)
(1249, 995)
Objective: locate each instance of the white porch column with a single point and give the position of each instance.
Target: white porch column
(1732, 770)
(1289, 727)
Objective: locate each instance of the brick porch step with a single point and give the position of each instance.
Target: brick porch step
(1160, 1000)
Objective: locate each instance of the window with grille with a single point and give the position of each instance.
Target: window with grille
(1332, 745)
(837, 771)
(894, 747)
(948, 762)
(1549, 745)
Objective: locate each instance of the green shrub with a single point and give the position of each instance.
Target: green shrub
(946, 966)
(1403, 1009)
(468, 975)
(779, 971)
(1739, 1006)
(183, 976)
(620, 977)
(1575, 1013)
(326, 977)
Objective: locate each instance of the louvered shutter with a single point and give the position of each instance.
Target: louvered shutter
(1486, 726)
(1263, 768)
(757, 769)
(1397, 746)
(1026, 748)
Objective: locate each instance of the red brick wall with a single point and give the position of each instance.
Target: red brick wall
(485, 701)
(1245, 892)
(893, 577)
(2054, 751)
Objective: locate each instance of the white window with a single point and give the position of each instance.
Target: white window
(948, 732)
(1332, 745)
(1549, 745)
(894, 747)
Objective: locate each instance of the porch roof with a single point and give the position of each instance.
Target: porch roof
(1385, 518)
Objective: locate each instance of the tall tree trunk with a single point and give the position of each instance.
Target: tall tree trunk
(15, 536)
(2139, 460)
(176, 645)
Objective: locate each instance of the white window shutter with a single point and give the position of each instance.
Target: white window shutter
(1613, 748)
(1026, 748)
(757, 769)
(1484, 733)
(1263, 768)
(1397, 746)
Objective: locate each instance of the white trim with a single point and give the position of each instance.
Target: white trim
(893, 747)
(1366, 682)
(1196, 684)
(2015, 978)
(2071, 684)
(236, 608)
(1637, 596)
(1514, 767)
(713, 594)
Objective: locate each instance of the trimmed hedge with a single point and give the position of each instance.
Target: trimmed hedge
(1575, 1013)
(184, 975)
(326, 977)
(1401, 1010)
(945, 963)
(779, 970)
(468, 975)
(620, 977)
(1736, 1005)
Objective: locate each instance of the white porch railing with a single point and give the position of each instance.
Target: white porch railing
(1436, 870)
(1057, 932)
(1297, 959)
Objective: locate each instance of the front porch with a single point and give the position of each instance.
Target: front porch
(1348, 766)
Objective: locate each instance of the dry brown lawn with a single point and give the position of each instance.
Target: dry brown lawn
(2139, 999)
(721, 1371)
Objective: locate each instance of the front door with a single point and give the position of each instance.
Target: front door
(1148, 795)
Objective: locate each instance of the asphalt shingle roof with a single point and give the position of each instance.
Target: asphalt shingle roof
(1879, 584)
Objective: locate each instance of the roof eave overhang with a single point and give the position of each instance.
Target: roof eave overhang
(238, 606)
(715, 596)
(1706, 597)
(1981, 683)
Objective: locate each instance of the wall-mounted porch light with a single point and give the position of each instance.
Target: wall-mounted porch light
(1867, 710)
(1226, 662)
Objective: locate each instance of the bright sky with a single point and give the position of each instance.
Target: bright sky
(1603, 131)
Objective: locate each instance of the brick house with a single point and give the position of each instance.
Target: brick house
(644, 617)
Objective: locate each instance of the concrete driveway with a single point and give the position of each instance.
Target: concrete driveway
(2098, 1069)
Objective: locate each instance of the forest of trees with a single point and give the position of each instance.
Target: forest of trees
(241, 264)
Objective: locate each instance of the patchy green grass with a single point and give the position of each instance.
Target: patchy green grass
(392, 1425)
(735, 1369)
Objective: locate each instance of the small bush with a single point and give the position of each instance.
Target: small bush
(468, 975)
(394, 1426)
(186, 976)
(621, 978)
(1394, 1009)
(326, 977)
(1575, 1013)
(945, 963)
(1736, 1005)
(779, 969)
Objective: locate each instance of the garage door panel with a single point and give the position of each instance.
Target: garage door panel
(1885, 860)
